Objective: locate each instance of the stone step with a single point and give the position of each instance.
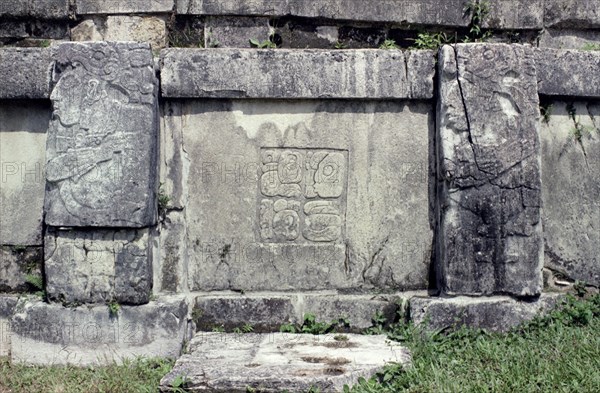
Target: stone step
(276, 362)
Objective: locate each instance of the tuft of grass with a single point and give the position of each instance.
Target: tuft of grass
(266, 44)
(310, 325)
(113, 309)
(431, 40)
(389, 44)
(590, 46)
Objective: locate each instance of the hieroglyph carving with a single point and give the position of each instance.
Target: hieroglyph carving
(302, 195)
(102, 142)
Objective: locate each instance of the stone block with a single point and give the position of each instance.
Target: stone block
(43, 9)
(102, 143)
(515, 15)
(309, 74)
(498, 313)
(23, 128)
(148, 29)
(568, 72)
(573, 13)
(282, 362)
(98, 266)
(7, 306)
(235, 32)
(31, 82)
(171, 274)
(295, 34)
(318, 194)
(423, 12)
(570, 188)
(49, 334)
(490, 233)
(16, 264)
(86, 7)
(569, 39)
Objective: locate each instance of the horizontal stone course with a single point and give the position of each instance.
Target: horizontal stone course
(43, 9)
(297, 74)
(564, 72)
(25, 73)
(85, 7)
(572, 13)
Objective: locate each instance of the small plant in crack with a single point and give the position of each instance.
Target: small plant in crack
(113, 309)
(340, 45)
(266, 44)
(389, 44)
(546, 112)
(312, 326)
(479, 11)
(246, 328)
(591, 47)
(431, 40)
(163, 200)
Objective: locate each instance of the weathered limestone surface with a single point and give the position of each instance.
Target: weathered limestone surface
(102, 142)
(571, 185)
(572, 13)
(432, 12)
(284, 73)
(568, 72)
(7, 306)
(281, 362)
(490, 238)
(226, 32)
(48, 334)
(15, 264)
(44, 9)
(515, 14)
(303, 195)
(124, 6)
(171, 269)
(22, 183)
(32, 81)
(98, 266)
(569, 38)
(498, 313)
(150, 29)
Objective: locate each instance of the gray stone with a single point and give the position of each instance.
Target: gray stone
(570, 189)
(283, 73)
(124, 6)
(317, 194)
(23, 128)
(573, 13)
(7, 306)
(281, 362)
(515, 14)
(102, 143)
(295, 34)
(569, 39)
(423, 12)
(32, 81)
(98, 266)
(172, 272)
(228, 32)
(16, 264)
(568, 72)
(49, 334)
(43, 9)
(490, 233)
(498, 313)
(149, 29)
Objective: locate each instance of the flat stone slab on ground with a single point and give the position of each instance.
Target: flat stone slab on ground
(276, 362)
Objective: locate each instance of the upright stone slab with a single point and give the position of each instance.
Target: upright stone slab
(489, 234)
(102, 142)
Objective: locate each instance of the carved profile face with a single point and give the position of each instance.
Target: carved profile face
(67, 96)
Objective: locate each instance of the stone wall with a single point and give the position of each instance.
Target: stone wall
(159, 175)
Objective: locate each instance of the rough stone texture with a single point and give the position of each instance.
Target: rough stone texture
(171, 272)
(98, 266)
(22, 157)
(124, 6)
(31, 82)
(572, 13)
(49, 334)
(569, 38)
(15, 264)
(102, 142)
(43, 9)
(568, 72)
(226, 32)
(515, 14)
(281, 362)
(490, 233)
(286, 73)
(149, 29)
(423, 12)
(7, 306)
(317, 194)
(34, 29)
(498, 313)
(570, 189)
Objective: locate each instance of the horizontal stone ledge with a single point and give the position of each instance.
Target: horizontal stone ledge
(297, 74)
(87, 7)
(420, 12)
(41, 9)
(496, 313)
(574, 73)
(581, 14)
(25, 73)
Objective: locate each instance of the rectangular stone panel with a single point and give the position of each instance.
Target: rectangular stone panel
(42, 9)
(490, 233)
(285, 73)
(514, 14)
(566, 72)
(124, 6)
(302, 195)
(98, 266)
(23, 127)
(25, 73)
(572, 13)
(103, 140)
(422, 12)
